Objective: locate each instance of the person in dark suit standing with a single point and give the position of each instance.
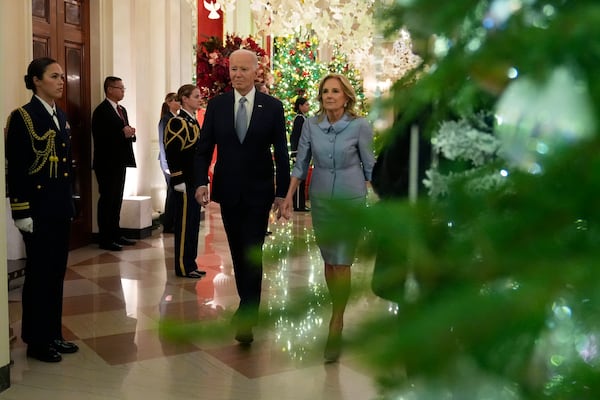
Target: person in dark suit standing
(113, 153)
(244, 124)
(180, 139)
(39, 177)
(301, 107)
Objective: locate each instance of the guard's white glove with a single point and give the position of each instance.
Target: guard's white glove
(24, 224)
(180, 187)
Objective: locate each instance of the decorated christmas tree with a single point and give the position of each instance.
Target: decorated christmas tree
(339, 64)
(296, 72)
(298, 69)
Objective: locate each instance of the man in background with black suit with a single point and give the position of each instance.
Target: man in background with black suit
(113, 153)
(244, 124)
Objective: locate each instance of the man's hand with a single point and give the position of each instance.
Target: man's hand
(24, 224)
(202, 196)
(287, 208)
(180, 187)
(129, 131)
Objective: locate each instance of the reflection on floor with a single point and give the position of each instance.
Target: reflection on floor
(114, 301)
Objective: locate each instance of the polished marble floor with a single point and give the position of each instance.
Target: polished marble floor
(115, 302)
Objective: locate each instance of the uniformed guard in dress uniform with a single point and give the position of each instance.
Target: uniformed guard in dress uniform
(301, 107)
(38, 153)
(180, 137)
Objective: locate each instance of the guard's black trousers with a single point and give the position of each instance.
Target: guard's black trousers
(47, 250)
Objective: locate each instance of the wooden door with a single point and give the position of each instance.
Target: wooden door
(61, 31)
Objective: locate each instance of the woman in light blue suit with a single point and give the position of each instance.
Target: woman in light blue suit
(339, 143)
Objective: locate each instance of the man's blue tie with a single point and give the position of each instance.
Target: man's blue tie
(241, 120)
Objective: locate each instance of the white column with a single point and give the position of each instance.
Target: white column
(240, 20)
(149, 44)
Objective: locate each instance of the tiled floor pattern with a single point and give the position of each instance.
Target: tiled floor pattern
(115, 302)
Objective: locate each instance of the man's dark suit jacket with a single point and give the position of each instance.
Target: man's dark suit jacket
(244, 171)
(111, 148)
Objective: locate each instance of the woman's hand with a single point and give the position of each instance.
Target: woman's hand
(286, 209)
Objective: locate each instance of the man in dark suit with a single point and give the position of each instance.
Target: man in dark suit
(113, 153)
(244, 124)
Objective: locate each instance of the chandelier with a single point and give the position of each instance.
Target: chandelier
(347, 25)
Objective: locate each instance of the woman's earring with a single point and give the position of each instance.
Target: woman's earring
(345, 105)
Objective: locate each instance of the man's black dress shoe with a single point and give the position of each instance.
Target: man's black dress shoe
(45, 353)
(123, 241)
(64, 347)
(111, 246)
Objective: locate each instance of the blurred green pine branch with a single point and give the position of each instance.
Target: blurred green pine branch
(492, 266)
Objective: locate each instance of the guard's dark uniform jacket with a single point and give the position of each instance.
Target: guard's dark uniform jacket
(39, 174)
(40, 187)
(181, 136)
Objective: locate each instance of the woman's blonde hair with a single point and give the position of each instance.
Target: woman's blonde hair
(346, 88)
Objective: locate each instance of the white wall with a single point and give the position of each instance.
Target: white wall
(149, 44)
